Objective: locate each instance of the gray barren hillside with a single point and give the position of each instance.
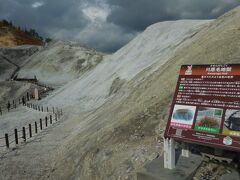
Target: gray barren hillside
(115, 113)
(54, 65)
(10, 58)
(134, 136)
(60, 62)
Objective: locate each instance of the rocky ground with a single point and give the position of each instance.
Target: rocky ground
(215, 171)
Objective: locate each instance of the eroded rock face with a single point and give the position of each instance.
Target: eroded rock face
(116, 86)
(60, 62)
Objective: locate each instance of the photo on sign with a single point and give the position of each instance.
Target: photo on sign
(182, 116)
(208, 119)
(232, 122)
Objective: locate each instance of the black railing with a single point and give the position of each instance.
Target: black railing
(28, 131)
(7, 106)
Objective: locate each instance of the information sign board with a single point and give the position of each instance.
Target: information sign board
(206, 106)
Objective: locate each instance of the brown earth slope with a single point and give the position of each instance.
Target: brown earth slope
(10, 37)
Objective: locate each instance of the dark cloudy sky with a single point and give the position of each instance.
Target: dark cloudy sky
(105, 24)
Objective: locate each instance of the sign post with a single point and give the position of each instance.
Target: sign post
(169, 153)
(206, 107)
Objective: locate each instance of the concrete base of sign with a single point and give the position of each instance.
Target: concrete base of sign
(169, 153)
(185, 168)
(185, 150)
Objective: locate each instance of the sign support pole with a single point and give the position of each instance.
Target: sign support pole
(169, 153)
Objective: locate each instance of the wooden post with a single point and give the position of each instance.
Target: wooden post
(50, 119)
(0, 110)
(36, 129)
(53, 110)
(16, 136)
(7, 140)
(8, 106)
(56, 116)
(47, 108)
(42, 109)
(24, 100)
(30, 130)
(24, 134)
(39, 108)
(41, 124)
(46, 121)
(28, 98)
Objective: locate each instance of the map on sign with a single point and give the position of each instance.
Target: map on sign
(206, 106)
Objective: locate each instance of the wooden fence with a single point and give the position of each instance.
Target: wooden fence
(26, 132)
(7, 106)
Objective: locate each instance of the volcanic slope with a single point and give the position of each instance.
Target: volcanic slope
(96, 104)
(59, 62)
(115, 114)
(120, 136)
(151, 49)
(98, 111)
(12, 58)
(91, 102)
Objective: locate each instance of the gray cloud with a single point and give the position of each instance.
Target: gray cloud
(137, 16)
(107, 37)
(52, 14)
(105, 24)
